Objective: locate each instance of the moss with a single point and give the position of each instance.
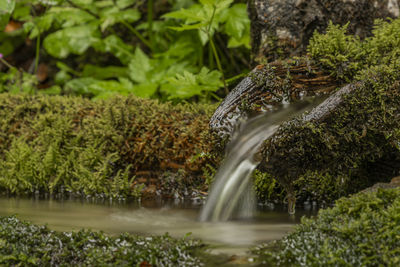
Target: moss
(267, 188)
(106, 148)
(26, 244)
(349, 148)
(345, 55)
(362, 230)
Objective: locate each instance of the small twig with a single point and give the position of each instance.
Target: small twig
(2, 60)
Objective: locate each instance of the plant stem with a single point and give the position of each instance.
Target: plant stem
(150, 6)
(2, 60)
(138, 35)
(214, 49)
(37, 53)
(218, 63)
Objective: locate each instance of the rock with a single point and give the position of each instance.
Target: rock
(282, 28)
(395, 182)
(267, 87)
(354, 134)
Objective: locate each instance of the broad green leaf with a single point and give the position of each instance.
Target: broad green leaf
(22, 12)
(191, 15)
(187, 85)
(184, 27)
(53, 90)
(6, 8)
(79, 86)
(116, 46)
(70, 16)
(139, 67)
(113, 15)
(243, 41)
(83, 2)
(39, 26)
(237, 21)
(75, 40)
(121, 4)
(145, 90)
(103, 73)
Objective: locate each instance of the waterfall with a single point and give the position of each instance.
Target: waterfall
(231, 194)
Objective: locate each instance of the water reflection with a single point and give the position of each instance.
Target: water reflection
(153, 217)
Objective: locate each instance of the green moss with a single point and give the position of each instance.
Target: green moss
(345, 55)
(26, 244)
(362, 230)
(267, 188)
(105, 148)
(352, 147)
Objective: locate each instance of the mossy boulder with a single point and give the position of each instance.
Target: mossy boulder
(362, 230)
(347, 143)
(282, 28)
(119, 147)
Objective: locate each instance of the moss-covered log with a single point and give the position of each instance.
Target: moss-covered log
(105, 148)
(282, 28)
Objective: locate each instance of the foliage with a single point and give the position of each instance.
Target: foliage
(55, 144)
(102, 48)
(26, 244)
(362, 230)
(346, 55)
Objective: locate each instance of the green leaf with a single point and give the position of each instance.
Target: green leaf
(187, 85)
(139, 67)
(79, 86)
(103, 73)
(113, 15)
(145, 90)
(39, 25)
(6, 8)
(75, 40)
(121, 4)
(116, 46)
(237, 21)
(70, 16)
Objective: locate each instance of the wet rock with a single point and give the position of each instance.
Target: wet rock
(267, 88)
(353, 134)
(282, 28)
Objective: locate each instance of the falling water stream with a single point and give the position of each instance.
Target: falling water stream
(231, 195)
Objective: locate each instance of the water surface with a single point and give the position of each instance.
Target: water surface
(154, 217)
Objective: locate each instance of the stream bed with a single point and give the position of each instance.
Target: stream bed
(155, 217)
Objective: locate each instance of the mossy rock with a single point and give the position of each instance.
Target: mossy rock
(108, 148)
(283, 28)
(362, 230)
(347, 143)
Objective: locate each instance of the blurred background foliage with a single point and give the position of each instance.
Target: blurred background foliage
(179, 50)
